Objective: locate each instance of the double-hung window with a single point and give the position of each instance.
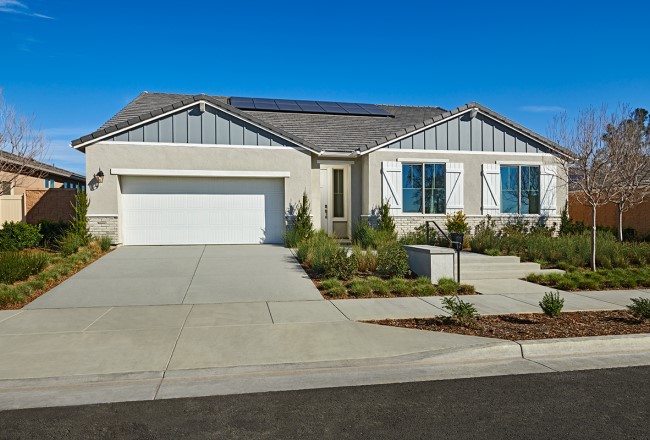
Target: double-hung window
(423, 188)
(520, 189)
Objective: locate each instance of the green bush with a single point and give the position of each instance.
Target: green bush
(315, 251)
(334, 287)
(392, 260)
(640, 308)
(385, 221)
(104, 242)
(302, 227)
(379, 286)
(462, 312)
(340, 265)
(70, 243)
(18, 266)
(457, 223)
(359, 288)
(448, 286)
(400, 286)
(78, 225)
(363, 234)
(366, 259)
(16, 236)
(552, 304)
(52, 232)
(423, 287)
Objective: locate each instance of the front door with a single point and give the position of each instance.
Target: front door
(335, 200)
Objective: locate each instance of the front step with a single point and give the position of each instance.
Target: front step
(491, 267)
(468, 257)
(502, 274)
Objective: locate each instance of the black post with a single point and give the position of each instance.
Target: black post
(427, 223)
(457, 242)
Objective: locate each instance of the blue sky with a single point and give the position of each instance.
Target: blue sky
(73, 64)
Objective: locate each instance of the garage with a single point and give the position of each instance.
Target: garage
(167, 210)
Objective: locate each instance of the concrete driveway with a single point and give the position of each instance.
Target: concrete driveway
(160, 275)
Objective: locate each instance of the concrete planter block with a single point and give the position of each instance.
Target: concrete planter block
(433, 262)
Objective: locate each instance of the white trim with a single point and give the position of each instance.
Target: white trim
(454, 116)
(335, 162)
(185, 145)
(102, 215)
(421, 159)
(197, 173)
(177, 110)
(518, 162)
(502, 153)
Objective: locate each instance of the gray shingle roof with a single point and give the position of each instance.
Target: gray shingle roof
(344, 133)
(5, 156)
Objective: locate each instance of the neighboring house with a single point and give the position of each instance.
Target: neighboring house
(635, 217)
(25, 190)
(183, 169)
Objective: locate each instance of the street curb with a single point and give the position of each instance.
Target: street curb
(586, 345)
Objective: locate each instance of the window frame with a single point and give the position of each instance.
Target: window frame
(423, 188)
(520, 190)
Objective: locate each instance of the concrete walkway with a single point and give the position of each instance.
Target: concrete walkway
(161, 275)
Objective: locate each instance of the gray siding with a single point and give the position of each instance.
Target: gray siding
(465, 134)
(210, 127)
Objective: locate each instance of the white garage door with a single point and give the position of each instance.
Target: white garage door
(197, 210)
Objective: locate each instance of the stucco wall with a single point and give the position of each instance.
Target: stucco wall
(104, 199)
(472, 173)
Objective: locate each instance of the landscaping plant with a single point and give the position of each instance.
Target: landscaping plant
(457, 223)
(340, 265)
(16, 236)
(363, 234)
(18, 266)
(552, 304)
(302, 227)
(315, 251)
(462, 312)
(52, 232)
(334, 287)
(78, 224)
(104, 242)
(640, 308)
(392, 260)
(385, 221)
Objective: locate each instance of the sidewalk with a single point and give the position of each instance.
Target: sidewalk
(104, 354)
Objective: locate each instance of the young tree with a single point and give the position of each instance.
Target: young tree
(590, 171)
(629, 146)
(20, 145)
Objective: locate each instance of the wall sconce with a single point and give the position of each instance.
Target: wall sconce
(473, 112)
(99, 177)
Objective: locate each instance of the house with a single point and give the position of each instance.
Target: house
(33, 191)
(184, 169)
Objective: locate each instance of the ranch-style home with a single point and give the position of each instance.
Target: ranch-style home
(198, 169)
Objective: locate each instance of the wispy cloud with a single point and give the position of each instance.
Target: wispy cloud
(543, 108)
(18, 7)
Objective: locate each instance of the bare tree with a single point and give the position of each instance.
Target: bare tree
(629, 145)
(590, 172)
(21, 145)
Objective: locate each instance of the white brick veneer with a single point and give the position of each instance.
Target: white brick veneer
(103, 226)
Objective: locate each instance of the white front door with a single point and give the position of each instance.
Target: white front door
(335, 200)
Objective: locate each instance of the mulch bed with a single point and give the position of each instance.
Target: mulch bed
(534, 325)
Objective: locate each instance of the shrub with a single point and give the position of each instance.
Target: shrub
(423, 287)
(392, 260)
(568, 226)
(384, 220)
(552, 304)
(334, 287)
(78, 224)
(363, 234)
(378, 286)
(18, 266)
(16, 236)
(340, 265)
(366, 259)
(447, 286)
(485, 236)
(400, 286)
(640, 308)
(461, 311)
(466, 289)
(359, 288)
(302, 227)
(70, 243)
(52, 232)
(104, 243)
(457, 223)
(315, 251)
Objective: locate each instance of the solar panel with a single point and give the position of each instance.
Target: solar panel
(303, 106)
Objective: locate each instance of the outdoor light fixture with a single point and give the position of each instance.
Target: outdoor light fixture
(99, 177)
(202, 107)
(473, 113)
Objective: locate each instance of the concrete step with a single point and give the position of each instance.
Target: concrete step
(468, 257)
(501, 274)
(490, 267)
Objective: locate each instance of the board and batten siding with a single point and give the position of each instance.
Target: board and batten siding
(191, 126)
(470, 134)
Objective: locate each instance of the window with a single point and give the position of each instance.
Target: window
(339, 210)
(519, 189)
(49, 183)
(423, 188)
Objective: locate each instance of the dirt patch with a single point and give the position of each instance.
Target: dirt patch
(534, 325)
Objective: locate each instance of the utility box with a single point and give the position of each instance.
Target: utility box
(433, 262)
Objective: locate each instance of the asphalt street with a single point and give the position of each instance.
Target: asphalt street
(596, 404)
